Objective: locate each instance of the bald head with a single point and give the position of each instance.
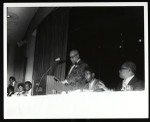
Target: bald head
(127, 69)
(130, 65)
(74, 56)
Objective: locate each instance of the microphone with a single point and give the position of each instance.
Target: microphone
(50, 68)
(59, 60)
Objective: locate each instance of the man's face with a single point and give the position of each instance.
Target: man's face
(73, 57)
(27, 87)
(123, 72)
(88, 76)
(11, 81)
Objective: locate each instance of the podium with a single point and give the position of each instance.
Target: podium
(53, 86)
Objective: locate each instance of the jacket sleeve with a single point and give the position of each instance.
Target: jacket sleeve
(138, 86)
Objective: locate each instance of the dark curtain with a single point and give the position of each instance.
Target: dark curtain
(51, 43)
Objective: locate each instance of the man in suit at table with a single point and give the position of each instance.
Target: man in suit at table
(75, 78)
(12, 83)
(130, 81)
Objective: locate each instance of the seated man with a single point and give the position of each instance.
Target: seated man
(92, 83)
(10, 90)
(130, 81)
(20, 91)
(28, 88)
(12, 84)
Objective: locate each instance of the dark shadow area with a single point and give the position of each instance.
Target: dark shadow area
(106, 37)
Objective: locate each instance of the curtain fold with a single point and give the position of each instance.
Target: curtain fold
(51, 43)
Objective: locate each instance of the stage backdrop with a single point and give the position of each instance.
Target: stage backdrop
(51, 43)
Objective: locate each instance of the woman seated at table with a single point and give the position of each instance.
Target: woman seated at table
(20, 91)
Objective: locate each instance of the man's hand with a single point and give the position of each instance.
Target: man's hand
(64, 82)
(102, 86)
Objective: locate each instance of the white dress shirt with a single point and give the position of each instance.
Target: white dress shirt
(28, 93)
(126, 82)
(65, 81)
(91, 84)
(73, 67)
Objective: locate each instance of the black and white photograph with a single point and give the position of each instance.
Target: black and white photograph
(75, 60)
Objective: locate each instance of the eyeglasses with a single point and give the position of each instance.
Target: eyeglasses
(123, 68)
(73, 56)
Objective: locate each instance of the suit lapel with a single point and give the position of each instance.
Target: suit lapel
(76, 64)
(132, 81)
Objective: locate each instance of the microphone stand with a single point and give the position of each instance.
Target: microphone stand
(53, 70)
(42, 78)
(50, 68)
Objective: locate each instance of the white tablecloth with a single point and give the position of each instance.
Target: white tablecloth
(79, 105)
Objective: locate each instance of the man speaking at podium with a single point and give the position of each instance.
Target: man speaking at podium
(75, 78)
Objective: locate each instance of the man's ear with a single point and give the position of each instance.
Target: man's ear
(93, 75)
(77, 55)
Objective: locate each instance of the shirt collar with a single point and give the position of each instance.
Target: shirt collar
(13, 84)
(92, 81)
(78, 60)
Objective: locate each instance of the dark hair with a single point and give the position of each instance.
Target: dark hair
(29, 83)
(89, 69)
(130, 65)
(20, 84)
(13, 78)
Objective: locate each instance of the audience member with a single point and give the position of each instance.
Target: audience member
(21, 90)
(12, 84)
(28, 88)
(10, 90)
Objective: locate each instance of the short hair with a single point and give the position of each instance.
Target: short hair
(20, 84)
(28, 82)
(13, 78)
(89, 69)
(130, 65)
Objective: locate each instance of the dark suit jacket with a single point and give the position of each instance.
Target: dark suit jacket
(135, 83)
(76, 78)
(15, 89)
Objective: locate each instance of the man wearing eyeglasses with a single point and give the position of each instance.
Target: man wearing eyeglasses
(130, 81)
(75, 78)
